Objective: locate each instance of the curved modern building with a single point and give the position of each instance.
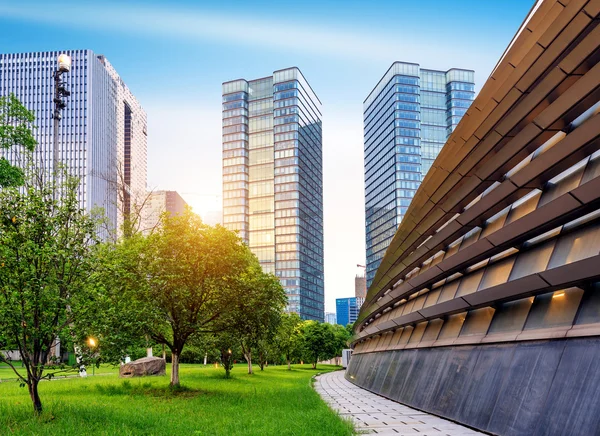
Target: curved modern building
(486, 306)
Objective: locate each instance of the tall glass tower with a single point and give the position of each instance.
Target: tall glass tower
(273, 181)
(102, 134)
(407, 118)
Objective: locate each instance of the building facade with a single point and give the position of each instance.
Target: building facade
(330, 318)
(407, 118)
(360, 286)
(347, 309)
(156, 204)
(102, 133)
(273, 181)
(486, 307)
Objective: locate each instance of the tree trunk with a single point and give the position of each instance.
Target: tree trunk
(314, 365)
(35, 396)
(249, 359)
(289, 365)
(175, 368)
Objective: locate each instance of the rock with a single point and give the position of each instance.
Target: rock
(142, 367)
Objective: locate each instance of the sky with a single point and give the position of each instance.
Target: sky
(175, 55)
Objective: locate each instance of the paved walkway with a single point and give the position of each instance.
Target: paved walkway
(377, 415)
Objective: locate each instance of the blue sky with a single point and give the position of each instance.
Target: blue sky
(175, 55)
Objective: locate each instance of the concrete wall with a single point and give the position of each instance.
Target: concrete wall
(521, 388)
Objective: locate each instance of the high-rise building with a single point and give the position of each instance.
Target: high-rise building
(273, 181)
(347, 309)
(157, 203)
(102, 133)
(360, 286)
(407, 118)
(330, 318)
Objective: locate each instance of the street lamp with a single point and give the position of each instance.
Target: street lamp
(60, 92)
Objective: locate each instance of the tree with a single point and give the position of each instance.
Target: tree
(319, 341)
(16, 124)
(178, 282)
(45, 260)
(288, 337)
(256, 312)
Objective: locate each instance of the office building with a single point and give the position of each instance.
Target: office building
(486, 307)
(273, 181)
(346, 309)
(330, 318)
(102, 133)
(407, 118)
(156, 204)
(360, 286)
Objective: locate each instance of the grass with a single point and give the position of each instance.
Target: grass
(270, 402)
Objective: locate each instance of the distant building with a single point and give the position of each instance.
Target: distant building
(273, 181)
(156, 204)
(360, 286)
(330, 318)
(407, 118)
(347, 309)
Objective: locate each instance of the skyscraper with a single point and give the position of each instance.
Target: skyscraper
(347, 309)
(407, 118)
(360, 286)
(102, 134)
(330, 318)
(273, 181)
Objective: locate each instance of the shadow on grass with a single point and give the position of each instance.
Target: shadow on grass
(149, 390)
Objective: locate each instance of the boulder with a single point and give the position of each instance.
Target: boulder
(142, 367)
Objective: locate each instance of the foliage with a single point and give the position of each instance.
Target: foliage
(321, 341)
(288, 338)
(255, 312)
(170, 285)
(272, 402)
(16, 124)
(45, 251)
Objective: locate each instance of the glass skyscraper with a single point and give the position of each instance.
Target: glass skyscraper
(347, 309)
(102, 133)
(273, 181)
(407, 118)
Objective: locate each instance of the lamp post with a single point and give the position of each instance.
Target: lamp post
(60, 92)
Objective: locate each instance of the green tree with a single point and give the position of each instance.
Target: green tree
(46, 241)
(171, 285)
(256, 311)
(288, 338)
(319, 341)
(16, 124)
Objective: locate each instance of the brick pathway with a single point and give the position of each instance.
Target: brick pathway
(373, 414)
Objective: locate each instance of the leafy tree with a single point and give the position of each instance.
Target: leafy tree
(256, 311)
(319, 341)
(46, 241)
(172, 285)
(16, 124)
(288, 338)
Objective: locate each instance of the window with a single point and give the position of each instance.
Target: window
(554, 309)
(452, 326)
(478, 321)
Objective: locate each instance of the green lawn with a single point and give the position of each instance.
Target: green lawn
(272, 402)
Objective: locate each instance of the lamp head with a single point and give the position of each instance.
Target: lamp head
(64, 63)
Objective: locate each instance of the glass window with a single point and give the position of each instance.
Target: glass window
(478, 321)
(452, 326)
(497, 273)
(432, 297)
(418, 332)
(554, 309)
(449, 290)
(406, 334)
(532, 261)
(469, 283)
(589, 312)
(433, 330)
(511, 316)
(575, 246)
